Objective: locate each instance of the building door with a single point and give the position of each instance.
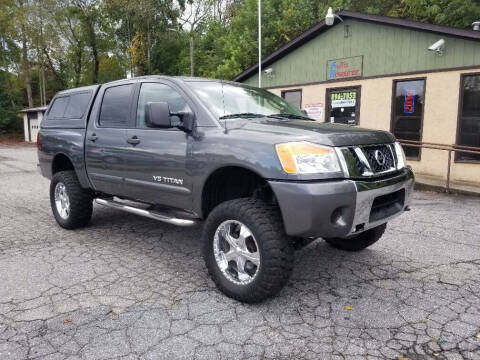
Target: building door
(407, 113)
(343, 105)
(33, 130)
(32, 126)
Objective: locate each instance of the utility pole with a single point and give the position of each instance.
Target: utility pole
(191, 53)
(259, 43)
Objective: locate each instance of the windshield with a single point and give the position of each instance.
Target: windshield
(229, 101)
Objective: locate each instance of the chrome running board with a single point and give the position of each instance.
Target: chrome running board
(146, 213)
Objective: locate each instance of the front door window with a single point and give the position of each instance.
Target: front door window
(408, 98)
(343, 105)
(156, 92)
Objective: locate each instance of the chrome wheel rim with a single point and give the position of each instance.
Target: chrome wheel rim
(62, 201)
(236, 252)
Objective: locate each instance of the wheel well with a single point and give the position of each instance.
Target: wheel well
(232, 183)
(61, 163)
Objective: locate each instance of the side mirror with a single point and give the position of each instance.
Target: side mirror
(187, 121)
(157, 114)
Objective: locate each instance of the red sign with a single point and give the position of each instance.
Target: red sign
(409, 102)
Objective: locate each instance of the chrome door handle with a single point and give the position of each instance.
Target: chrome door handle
(92, 137)
(133, 140)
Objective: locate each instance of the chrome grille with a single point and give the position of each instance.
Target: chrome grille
(369, 160)
(371, 153)
(358, 163)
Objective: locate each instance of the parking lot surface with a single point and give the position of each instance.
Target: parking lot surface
(128, 287)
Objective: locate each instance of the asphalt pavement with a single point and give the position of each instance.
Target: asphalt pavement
(127, 287)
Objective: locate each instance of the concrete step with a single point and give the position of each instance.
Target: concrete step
(426, 182)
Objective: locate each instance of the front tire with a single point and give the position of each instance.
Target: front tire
(71, 204)
(246, 251)
(360, 241)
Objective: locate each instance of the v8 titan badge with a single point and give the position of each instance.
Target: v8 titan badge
(167, 180)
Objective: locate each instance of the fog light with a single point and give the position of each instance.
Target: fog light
(359, 227)
(338, 216)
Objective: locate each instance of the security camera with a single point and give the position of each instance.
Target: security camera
(438, 47)
(330, 17)
(268, 71)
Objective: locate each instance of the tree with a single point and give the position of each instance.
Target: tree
(193, 15)
(458, 13)
(110, 69)
(9, 49)
(10, 103)
(70, 28)
(89, 15)
(140, 25)
(50, 45)
(15, 22)
(140, 53)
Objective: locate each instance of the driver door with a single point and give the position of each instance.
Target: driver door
(156, 161)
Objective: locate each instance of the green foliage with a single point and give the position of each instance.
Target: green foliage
(59, 44)
(170, 54)
(209, 50)
(10, 103)
(240, 45)
(458, 13)
(110, 69)
(139, 53)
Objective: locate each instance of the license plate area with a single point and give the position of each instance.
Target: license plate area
(387, 205)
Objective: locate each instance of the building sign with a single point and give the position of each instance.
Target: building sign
(315, 111)
(343, 99)
(409, 102)
(344, 68)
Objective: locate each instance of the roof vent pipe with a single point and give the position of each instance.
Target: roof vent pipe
(476, 26)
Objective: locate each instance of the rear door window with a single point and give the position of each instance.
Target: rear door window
(58, 107)
(77, 105)
(115, 110)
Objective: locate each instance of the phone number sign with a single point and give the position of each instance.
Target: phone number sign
(343, 99)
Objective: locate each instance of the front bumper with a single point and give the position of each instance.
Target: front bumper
(344, 207)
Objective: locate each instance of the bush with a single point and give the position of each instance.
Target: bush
(10, 104)
(10, 122)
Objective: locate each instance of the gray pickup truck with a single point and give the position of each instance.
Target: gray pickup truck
(262, 176)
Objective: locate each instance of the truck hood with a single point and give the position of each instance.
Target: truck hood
(305, 130)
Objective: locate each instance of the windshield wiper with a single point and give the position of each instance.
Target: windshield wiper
(289, 116)
(241, 115)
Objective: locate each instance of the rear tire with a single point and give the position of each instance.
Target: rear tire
(71, 204)
(270, 248)
(360, 241)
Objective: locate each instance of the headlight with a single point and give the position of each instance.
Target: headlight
(400, 156)
(307, 158)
